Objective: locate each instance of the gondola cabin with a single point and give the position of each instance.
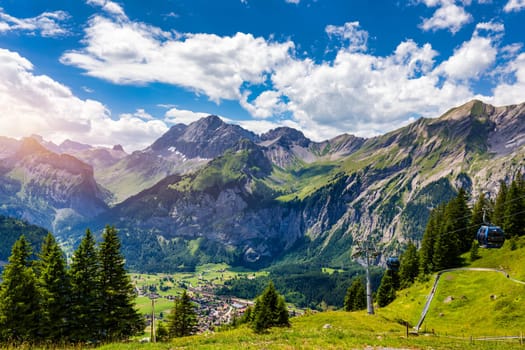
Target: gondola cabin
(393, 263)
(490, 236)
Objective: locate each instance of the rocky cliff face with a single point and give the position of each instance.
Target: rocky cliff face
(46, 188)
(381, 190)
(215, 192)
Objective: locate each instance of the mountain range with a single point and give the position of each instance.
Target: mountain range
(212, 191)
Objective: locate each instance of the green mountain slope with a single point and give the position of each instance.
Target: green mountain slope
(470, 308)
(11, 229)
(266, 201)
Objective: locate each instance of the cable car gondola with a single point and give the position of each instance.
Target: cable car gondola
(490, 236)
(393, 263)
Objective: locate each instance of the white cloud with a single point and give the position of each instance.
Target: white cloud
(514, 5)
(48, 24)
(269, 103)
(293, 1)
(182, 116)
(489, 27)
(126, 52)
(110, 7)
(471, 60)
(37, 104)
(365, 94)
(512, 91)
(448, 16)
(357, 38)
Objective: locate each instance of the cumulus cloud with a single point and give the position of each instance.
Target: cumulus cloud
(366, 94)
(448, 16)
(110, 7)
(511, 91)
(350, 32)
(182, 116)
(514, 5)
(37, 104)
(356, 92)
(471, 60)
(126, 52)
(48, 24)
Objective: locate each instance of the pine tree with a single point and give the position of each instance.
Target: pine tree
(499, 205)
(55, 291)
(480, 214)
(446, 247)
(460, 213)
(119, 318)
(386, 293)
(514, 211)
(426, 254)
(409, 266)
(19, 297)
(355, 298)
(270, 310)
(183, 318)
(474, 251)
(84, 274)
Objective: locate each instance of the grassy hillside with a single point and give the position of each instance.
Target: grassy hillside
(469, 307)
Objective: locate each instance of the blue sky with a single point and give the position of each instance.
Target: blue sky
(106, 72)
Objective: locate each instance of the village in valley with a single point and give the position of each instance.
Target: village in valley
(213, 311)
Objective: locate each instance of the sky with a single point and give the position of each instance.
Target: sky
(123, 72)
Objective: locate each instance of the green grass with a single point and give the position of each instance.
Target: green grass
(327, 330)
(468, 306)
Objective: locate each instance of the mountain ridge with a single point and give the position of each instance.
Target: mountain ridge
(280, 195)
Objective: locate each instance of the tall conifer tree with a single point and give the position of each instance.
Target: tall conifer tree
(85, 292)
(514, 212)
(119, 318)
(386, 293)
(183, 318)
(499, 205)
(19, 297)
(409, 266)
(355, 298)
(54, 286)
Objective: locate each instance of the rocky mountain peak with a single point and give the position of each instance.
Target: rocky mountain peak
(286, 137)
(30, 146)
(118, 148)
(69, 146)
(205, 138)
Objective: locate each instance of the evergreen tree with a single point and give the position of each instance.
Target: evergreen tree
(270, 310)
(474, 251)
(183, 318)
(409, 266)
(386, 293)
(480, 214)
(162, 332)
(460, 213)
(355, 298)
(19, 297)
(55, 291)
(499, 205)
(514, 211)
(426, 255)
(446, 247)
(84, 274)
(119, 318)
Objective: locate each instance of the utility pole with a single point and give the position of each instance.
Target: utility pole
(368, 252)
(153, 296)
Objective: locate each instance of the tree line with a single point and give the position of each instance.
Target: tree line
(449, 233)
(44, 300)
